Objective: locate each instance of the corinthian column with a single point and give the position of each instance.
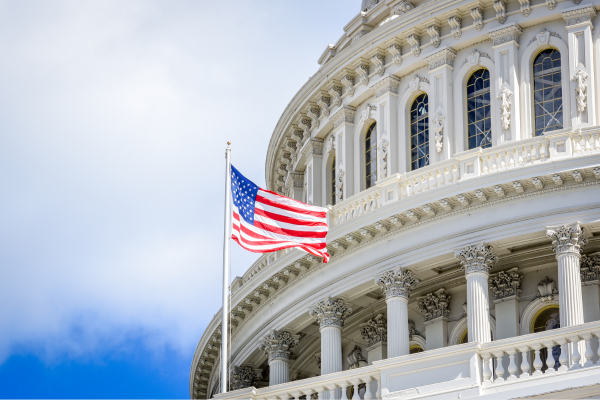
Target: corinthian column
(330, 315)
(278, 347)
(567, 241)
(477, 261)
(396, 284)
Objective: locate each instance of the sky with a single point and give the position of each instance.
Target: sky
(114, 116)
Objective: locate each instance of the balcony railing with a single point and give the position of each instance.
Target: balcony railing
(470, 366)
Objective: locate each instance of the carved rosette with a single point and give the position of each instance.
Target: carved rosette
(278, 345)
(476, 258)
(243, 377)
(567, 238)
(374, 331)
(397, 282)
(330, 312)
(435, 305)
(590, 268)
(506, 284)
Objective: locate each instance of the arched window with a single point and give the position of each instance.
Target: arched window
(547, 319)
(415, 348)
(479, 119)
(547, 92)
(419, 132)
(371, 156)
(332, 188)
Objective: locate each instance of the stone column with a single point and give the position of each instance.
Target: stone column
(396, 284)
(435, 307)
(581, 65)
(386, 96)
(441, 110)
(278, 345)
(343, 131)
(567, 241)
(506, 81)
(374, 331)
(477, 261)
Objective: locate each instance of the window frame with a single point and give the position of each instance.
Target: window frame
(370, 133)
(533, 90)
(467, 110)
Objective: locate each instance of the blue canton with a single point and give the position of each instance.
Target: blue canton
(244, 193)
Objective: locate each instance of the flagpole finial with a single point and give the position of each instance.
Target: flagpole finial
(228, 144)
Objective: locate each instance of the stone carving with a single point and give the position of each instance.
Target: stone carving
(500, 7)
(581, 89)
(305, 124)
(383, 157)
(339, 183)
(506, 284)
(356, 359)
(429, 210)
(415, 44)
(546, 290)
(551, 4)
(359, 35)
(577, 176)
(518, 186)
(481, 195)
(330, 312)
(343, 115)
(317, 357)
(348, 82)
(389, 84)
(412, 216)
(477, 15)
(590, 268)
(366, 112)
(435, 305)
(396, 51)
(278, 345)
(557, 179)
(362, 70)
(504, 96)
(314, 113)
(597, 172)
(507, 34)
(476, 258)
(396, 221)
(324, 102)
(525, 7)
(462, 199)
(500, 192)
(397, 282)
(415, 82)
(537, 182)
(438, 128)
(374, 331)
(446, 205)
(338, 245)
(381, 227)
(402, 8)
(455, 24)
(567, 238)
(336, 92)
(379, 60)
(365, 233)
(370, 4)
(412, 330)
(242, 378)
(330, 144)
(579, 15)
(443, 57)
(433, 31)
(351, 239)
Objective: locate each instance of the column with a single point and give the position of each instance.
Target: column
(506, 81)
(278, 346)
(386, 96)
(313, 160)
(567, 241)
(476, 261)
(441, 112)
(435, 307)
(396, 284)
(581, 65)
(343, 127)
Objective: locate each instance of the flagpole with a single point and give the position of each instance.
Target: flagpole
(226, 269)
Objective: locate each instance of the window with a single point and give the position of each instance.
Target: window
(419, 132)
(332, 189)
(478, 110)
(371, 155)
(547, 92)
(547, 319)
(415, 348)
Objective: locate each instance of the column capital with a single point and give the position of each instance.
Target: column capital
(506, 34)
(579, 16)
(397, 282)
(278, 345)
(440, 58)
(476, 258)
(569, 238)
(312, 147)
(374, 330)
(506, 285)
(243, 377)
(330, 312)
(389, 84)
(344, 115)
(435, 305)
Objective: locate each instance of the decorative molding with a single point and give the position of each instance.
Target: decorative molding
(348, 82)
(366, 112)
(356, 359)
(412, 330)
(579, 16)
(339, 182)
(414, 39)
(379, 60)
(344, 115)
(590, 268)
(546, 290)
(374, 330)
(389, 84)
(504, 97)
(476, 258)
(435, 305)
(395, 49)
(243, 377)
(506, 284)
(551, 4)
(455, 23)
(359, 36)
(324, 102)
(278, 345)
(525, 7)
(336, 93)
(443, 57)
(544, 37)
(567, 238)
(500, 7)
(314, 112)
(383, 157)
(415, 83)
(330, 312)
(438, 128)
(506, 34)
(313, 146)
(477, 15)
(362, 69)
(397, 282)
(581, 89)
(433, 30)
(473, 58)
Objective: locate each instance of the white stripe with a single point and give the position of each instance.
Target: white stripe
(290, 202)
(289, 214)
(285, 225)
(276, 236)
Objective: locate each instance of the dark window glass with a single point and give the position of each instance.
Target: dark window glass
(479, 127)
(371, 156)
(547, 92)
(333, 181)
(419, 132)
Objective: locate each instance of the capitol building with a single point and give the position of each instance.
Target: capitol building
(456, 144)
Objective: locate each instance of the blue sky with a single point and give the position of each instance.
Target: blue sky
(113, 119)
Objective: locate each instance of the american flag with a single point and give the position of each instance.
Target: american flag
(264, 221)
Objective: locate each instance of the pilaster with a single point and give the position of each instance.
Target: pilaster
(581, 65)
(343, 126)
(386, 97)
(278, 346)
(506, 54)
(506, 287)
(374, 331)
(441, 111)
(313, 156)
(435, 307)
(590, 289)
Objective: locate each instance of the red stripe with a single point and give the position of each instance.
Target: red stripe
(267, 240)
(325, 256)
(288, 220)
(289, 232)
(271, 203)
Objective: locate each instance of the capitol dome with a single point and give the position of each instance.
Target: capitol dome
(457, 147)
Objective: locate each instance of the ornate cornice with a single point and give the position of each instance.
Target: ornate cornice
(278, 345)
(313, 146)
(344, 115)
(374, 331)
(476, 258)
(506, 284)
(567, 238)
(443, 57)
(584, 15)
(506, 34)
(435, 305)
(397, 282)
(330, 312)
(389, 84)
